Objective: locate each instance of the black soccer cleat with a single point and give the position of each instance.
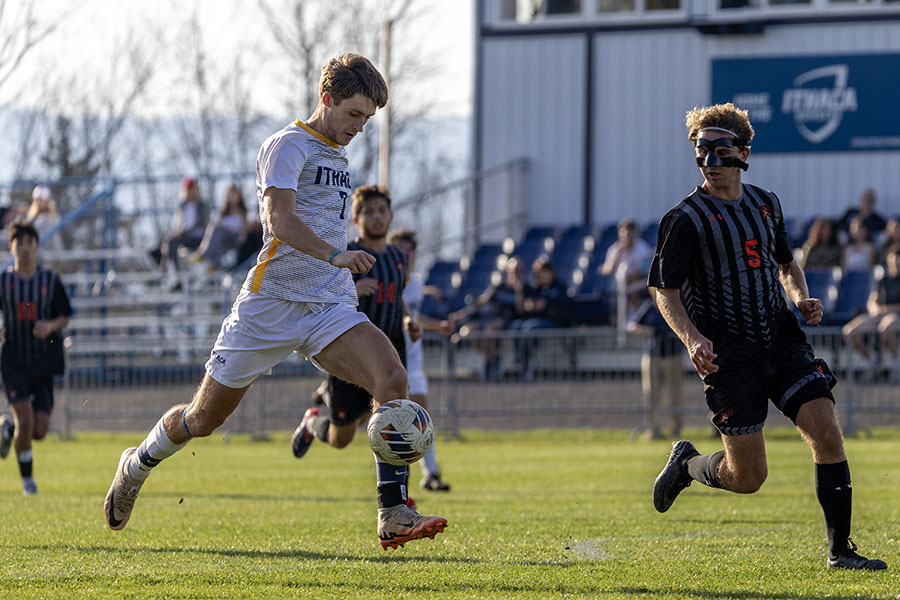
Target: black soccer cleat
(674, 477)
(433, 483)
(849, 559)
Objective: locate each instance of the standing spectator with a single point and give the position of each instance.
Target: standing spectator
(191, 218)
(224, 235)
(883, 314)
(629, 250)
(43, 215)
(661, 372)
(865, 211)
(35, 309)
(821, 249)
(859, 254)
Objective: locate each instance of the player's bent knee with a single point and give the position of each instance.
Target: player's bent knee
(392, 384)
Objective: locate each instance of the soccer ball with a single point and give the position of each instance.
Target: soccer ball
(400, 432)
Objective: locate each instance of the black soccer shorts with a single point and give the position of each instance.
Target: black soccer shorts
(22, 387)
(788, 374)
(347, 401)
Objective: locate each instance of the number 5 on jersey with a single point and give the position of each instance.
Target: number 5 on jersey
(752, 254)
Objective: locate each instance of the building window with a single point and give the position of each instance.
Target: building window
(662, 4)
(608, 6)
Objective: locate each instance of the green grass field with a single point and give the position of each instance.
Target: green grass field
(542, 514)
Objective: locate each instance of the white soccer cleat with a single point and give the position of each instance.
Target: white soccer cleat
(400, 524)
(29, 487)
(122, 494)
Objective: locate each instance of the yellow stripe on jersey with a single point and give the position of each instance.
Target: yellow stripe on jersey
(261, 267)
(316, 134)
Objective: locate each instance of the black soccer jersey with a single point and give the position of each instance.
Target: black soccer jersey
(724, 257)
(24, 301)
(384, 308)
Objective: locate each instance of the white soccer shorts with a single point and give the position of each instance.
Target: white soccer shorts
(261, 332)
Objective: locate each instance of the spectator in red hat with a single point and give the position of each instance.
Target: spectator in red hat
(191, 218)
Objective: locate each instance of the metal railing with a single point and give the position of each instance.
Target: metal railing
(506, 379)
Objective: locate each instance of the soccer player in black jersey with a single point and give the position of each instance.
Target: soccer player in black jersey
(380, 298)
(721, 266)
(35, 309)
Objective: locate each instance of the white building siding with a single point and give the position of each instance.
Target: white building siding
(533, 106)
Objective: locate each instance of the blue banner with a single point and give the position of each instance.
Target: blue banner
(815, 103)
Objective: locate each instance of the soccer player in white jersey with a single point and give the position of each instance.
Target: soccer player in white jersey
(414, 296)
(299, 297)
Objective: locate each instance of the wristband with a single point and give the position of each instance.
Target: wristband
(333, 254)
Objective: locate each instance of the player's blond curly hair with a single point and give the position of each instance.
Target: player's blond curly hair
(349, 74)
(726, 116)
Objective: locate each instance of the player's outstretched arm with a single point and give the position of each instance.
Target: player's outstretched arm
(291, 230)
(698, 346)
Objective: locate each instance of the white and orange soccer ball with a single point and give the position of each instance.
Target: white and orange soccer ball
(400, 432)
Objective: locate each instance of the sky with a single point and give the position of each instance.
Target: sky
(91, 30)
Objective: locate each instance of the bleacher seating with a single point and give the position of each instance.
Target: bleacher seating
(578, 251)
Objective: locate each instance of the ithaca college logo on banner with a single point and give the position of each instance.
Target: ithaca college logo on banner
(815, 103)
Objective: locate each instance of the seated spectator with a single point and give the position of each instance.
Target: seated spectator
(494, 310)
(253, 240)
(545, 305)
(628, 252)
(891, 238)
(226, 233)
(498, 306)
(859, 253)
(873, 221)
(822, 250)
(191, 218)
(43, 216)
(661, 365)
(883, 314)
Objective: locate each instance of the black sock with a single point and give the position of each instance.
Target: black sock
(319, 428)
(835, 495)
(391, 494)
(26, 464)
(705, 468)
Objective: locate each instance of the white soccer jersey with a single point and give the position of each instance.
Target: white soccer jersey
(299, 158)
(414, 295)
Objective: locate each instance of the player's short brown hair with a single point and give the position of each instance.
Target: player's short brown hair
(364, 193)
(19, 229)
(725, 116)
(349, 74)
(404, 235)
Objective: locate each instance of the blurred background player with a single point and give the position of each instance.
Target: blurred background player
(298, 297)
(414, 296)
(35, 309)
(661, 371)
(723, 248)
(380, 293)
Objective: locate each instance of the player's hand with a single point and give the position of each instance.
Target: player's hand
(702, 355)
(812, 310)
(42, 330)
(366, 286)
(358, 261)
(412, 328)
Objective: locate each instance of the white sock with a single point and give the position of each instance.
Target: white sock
(155, 447)
(429, 462)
